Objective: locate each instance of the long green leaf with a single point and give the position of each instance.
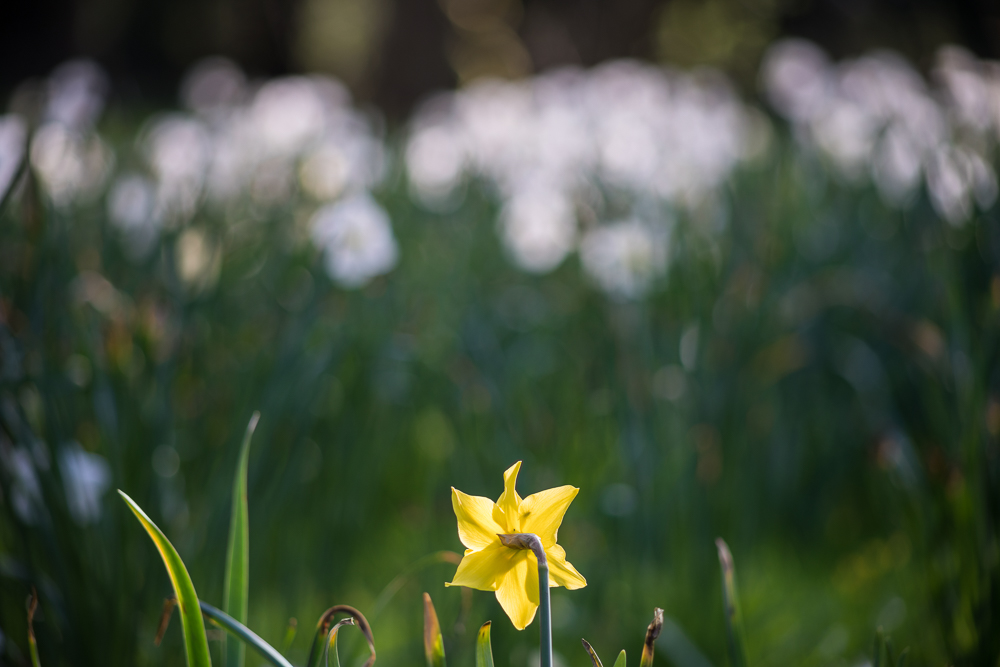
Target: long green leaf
(592, 653)
(433, 641)
(730, 601)
(323, 628)
(620, 662)
(652, 632)
(195, 641)
(245, 635)
(331, 643)
(237, 583)
(484, 650)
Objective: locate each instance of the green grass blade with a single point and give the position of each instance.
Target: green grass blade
(290, 631)
(237, 583)
(323, 628)
(484, 650)
(730, 601)
(32, 644)
(620, 662)
(592, 653)
(877, 648)
(433, 641)
(331, 643)
(652, 632)
(245, 635)
(195, 641)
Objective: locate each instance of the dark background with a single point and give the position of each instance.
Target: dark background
(394, 52)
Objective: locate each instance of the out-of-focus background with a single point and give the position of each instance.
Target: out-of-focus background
(731, 267)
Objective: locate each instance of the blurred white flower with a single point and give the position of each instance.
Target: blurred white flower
(198, 258)
(957, 178)
(538, 227)
(797, 78)
(356, 238)
(13, 134)
(896, 166)
(178, 149)
(86, 477)
(846, 133)
(76, 91)
(435, 160)
(288, 114)
(69, 164)
(624, 258)
(972, 94)
(213, 88)
(25, 492)
(545, 143)
(345, 161)
(132, 208)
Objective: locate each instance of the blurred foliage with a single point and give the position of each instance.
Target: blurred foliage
(834, 415)
(814, 380)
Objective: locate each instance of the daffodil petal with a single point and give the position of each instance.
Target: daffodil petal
(517, 592)
(484, 570)
(506, 511)
(476, 527)
(541, 513)
(561, 572)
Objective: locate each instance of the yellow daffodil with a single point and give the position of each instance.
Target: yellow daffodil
(512, 573)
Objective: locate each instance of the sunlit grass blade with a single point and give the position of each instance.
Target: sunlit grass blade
(32, 643)
(484, 650)
(433, 641)
(323, 628)
(730, 601)
(245, 635)
(331, 642)
(195, 641)
(652, 632)
(592, 653)
(237, 583)
(620, 662)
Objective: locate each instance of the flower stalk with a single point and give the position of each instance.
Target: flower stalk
(533, 543)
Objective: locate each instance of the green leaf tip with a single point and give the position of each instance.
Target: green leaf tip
(484, 650)
(620, 662)
(592, 653)
(433, 641)
(235, 597)
(331, 643)
(730, 601)
(195, 641)
(323, 627)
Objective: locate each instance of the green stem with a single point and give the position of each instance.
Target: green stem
(544, 612)
(533, 542)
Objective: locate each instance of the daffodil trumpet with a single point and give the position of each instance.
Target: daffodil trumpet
(532, 542)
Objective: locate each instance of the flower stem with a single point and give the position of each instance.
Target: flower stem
(532, 541)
